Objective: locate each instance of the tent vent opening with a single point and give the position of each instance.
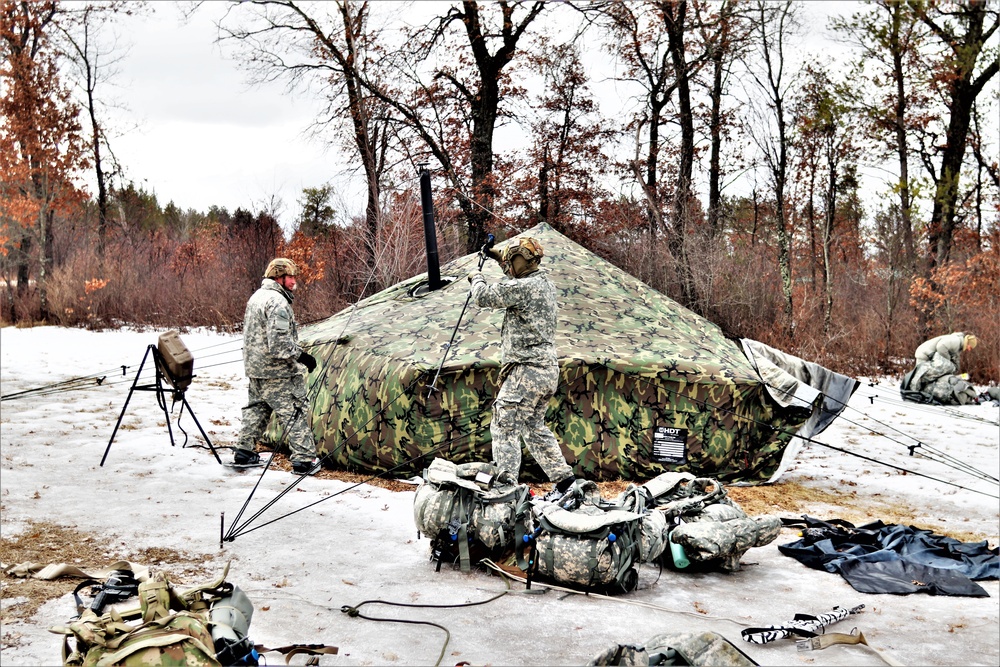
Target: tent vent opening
(423, 288)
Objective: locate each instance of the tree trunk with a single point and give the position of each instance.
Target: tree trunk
(45, 265)
(102, 189)
(961, 97)
(715, 136)
(828, 222)
(905, 204)
(811, 220)
(674, 16)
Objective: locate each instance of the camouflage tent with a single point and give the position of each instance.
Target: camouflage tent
(646, 385)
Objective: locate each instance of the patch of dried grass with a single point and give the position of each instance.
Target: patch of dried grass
(43, 542)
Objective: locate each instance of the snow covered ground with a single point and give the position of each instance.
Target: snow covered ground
(348, 547)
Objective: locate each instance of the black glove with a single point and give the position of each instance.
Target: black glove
(487, 250)
(308, 361)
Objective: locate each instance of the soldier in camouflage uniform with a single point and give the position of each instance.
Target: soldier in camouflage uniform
(273, 361)
(936, 373)
(530, 366)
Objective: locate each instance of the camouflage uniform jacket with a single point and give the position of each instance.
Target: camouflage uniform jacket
(948, 346)
(529, 321)
(270, 335)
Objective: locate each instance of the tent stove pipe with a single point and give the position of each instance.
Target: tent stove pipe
(430, 236)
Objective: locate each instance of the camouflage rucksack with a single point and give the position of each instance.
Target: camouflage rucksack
(584, 541)
(709, 649)
(465, 517)
(205, 626)
(173, 629)
(700, 517)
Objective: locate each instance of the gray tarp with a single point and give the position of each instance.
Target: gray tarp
(792, 381)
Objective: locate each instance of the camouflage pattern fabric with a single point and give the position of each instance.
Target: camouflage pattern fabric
(270, 350)
(951, 390)
(677, 648)
(591, 545)
(530, 310)
(519, 414)
(631, 363)
(725, 542)
(183, 641)
(270, 335)
(531, 370)
(937, 366)
(286, 399)
(580, 560)
(169, 628)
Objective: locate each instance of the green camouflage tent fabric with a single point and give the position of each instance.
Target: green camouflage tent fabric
(646, 385)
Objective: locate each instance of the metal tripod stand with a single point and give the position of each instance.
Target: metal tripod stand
(163, 385)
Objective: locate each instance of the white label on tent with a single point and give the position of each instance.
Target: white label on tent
(669, 444)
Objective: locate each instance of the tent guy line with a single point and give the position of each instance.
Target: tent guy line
(933, 409)
(235, 531)
(945, 459)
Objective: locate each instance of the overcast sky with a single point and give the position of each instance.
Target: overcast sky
(205, 137)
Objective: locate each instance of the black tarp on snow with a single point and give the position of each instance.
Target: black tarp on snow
(881, 558)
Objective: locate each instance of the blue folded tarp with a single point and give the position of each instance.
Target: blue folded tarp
(881, 558)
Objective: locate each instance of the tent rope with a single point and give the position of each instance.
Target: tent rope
(938, 455)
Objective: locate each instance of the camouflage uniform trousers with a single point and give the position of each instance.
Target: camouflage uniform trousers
(519, 413)
(285, 397)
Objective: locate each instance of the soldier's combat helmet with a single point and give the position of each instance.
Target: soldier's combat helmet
(281, 267)
(521, 259)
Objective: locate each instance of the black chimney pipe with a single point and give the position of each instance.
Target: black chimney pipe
(430, 236)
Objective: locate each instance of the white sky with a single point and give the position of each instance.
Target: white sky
(207, 138)
(361, 544)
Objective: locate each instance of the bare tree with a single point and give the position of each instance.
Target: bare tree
(308, 47)
(453, 104)
(566, 156)
(726, 35)
(95, 62)
(964, 66)
(774, 24)
(889, 41)
(824, 123)
(637, 40)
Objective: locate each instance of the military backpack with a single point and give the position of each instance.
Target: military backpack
(464, 514)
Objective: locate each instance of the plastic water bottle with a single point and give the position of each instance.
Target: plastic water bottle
(677, 552)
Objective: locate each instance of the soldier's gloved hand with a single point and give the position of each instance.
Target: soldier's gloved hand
(308, 361)
(488, 251)
(474, 275)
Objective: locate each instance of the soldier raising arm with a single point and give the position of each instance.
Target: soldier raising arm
(530, 365)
